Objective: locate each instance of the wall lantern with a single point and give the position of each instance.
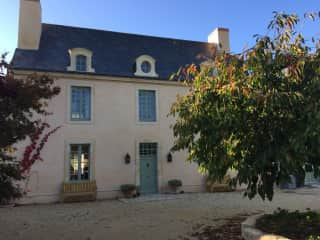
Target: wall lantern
(127, 158)
(169, 157)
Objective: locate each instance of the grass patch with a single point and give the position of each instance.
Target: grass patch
(294, 225)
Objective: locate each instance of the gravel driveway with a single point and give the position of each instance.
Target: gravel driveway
(159, 217)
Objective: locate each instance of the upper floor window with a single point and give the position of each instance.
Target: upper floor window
(146, 66)
(81, 63)
(80, 103)
(147, 106)
(80, 60)
(79, 165)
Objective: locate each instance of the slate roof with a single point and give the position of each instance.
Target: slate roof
(114, 53)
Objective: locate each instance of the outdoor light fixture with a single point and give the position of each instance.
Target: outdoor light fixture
(169, 157)
(127, 158)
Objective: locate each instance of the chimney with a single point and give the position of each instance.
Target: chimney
(29, 24)
(220, 36)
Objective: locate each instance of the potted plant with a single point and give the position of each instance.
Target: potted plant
(175, 184)
(129, 190)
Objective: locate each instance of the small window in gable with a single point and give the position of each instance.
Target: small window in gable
(80, 60)
(146, 66)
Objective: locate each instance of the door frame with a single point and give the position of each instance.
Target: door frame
(159, 162)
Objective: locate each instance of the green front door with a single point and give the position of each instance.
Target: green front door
(148, 168)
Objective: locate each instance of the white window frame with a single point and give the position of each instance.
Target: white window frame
(67, 160)
(69, 95)
(148, 88)
(149, 59)
(74, 52)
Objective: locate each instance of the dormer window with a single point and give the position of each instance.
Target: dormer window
(146, 66)
(81, 63)
(80, 60)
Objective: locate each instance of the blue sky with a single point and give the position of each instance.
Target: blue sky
(192, 20)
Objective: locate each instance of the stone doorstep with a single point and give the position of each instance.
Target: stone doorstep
(250, 232)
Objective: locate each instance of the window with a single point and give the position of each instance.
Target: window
(81, 63)
(80, 60)
(146, 66)
(148, 149)
(79, 162)
(147, 106)
(80, 103)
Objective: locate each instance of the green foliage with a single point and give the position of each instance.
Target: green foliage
(21, 101)
(294, 225)
(175, 183)
(9, 173)
(257, 112)
(314, 238)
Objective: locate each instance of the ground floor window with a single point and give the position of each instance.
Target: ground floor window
(79, 162)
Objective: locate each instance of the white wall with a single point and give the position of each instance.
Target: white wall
(114, 131)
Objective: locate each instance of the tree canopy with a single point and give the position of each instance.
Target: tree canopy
(257, 112)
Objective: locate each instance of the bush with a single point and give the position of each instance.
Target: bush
(8, 189)
(314, 238)
(293, 225)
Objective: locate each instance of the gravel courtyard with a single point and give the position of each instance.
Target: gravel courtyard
(162, 217)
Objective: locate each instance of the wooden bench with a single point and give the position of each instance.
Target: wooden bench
(79, 191)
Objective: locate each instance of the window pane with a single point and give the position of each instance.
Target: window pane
(75, 103)
(146, 67)
(147, 105)
(81, 103)
(79, 162)
(74, 162)
(148, 149)
(85, 156)
(81, 63)
(86, 99)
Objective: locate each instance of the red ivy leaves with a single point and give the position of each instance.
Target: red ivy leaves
(33, 150)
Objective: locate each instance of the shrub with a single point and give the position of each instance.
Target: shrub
(293, 225)
(9, 173)
(314, 238)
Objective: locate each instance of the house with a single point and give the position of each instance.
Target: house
(113, 106)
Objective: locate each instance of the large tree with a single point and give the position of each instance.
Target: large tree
(23, 104)
(257, 112)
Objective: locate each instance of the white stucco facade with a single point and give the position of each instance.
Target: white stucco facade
(113, 132)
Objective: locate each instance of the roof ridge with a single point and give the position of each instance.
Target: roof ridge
(131, 34)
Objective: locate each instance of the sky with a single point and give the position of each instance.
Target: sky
(182, 19)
